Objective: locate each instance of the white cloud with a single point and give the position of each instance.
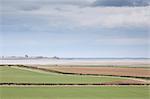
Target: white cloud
(32, 4)
(67, 11)
(110, 17)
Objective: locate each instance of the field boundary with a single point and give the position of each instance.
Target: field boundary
(72, 84)
(61, 72)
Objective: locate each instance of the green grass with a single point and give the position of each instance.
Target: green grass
(8, 74)
(74, 93)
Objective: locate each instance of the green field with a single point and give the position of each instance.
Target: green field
(74, 93)
(15, 75)
(9, 74)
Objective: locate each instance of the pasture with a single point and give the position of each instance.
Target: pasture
(74, 92)
(15, 75)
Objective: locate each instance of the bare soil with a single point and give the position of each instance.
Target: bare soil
(118, 71)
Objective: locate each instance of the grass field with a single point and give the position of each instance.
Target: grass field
(74, 93)
(8, 74)
(21, 75)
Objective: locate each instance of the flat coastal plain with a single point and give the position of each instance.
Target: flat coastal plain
(74, 79)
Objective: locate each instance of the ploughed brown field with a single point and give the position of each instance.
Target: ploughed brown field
(117, 71)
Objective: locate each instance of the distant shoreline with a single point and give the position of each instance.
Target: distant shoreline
(85, 62)
(76, 58)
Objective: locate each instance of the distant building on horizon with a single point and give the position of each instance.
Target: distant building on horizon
(26, 56)
(55, 57)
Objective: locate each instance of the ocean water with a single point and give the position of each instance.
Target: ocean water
(79, 61)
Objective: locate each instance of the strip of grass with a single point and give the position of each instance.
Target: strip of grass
(74, 93)
(8, 75)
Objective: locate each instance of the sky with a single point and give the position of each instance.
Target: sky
(75, 28)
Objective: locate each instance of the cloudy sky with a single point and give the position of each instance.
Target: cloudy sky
(75, 28)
